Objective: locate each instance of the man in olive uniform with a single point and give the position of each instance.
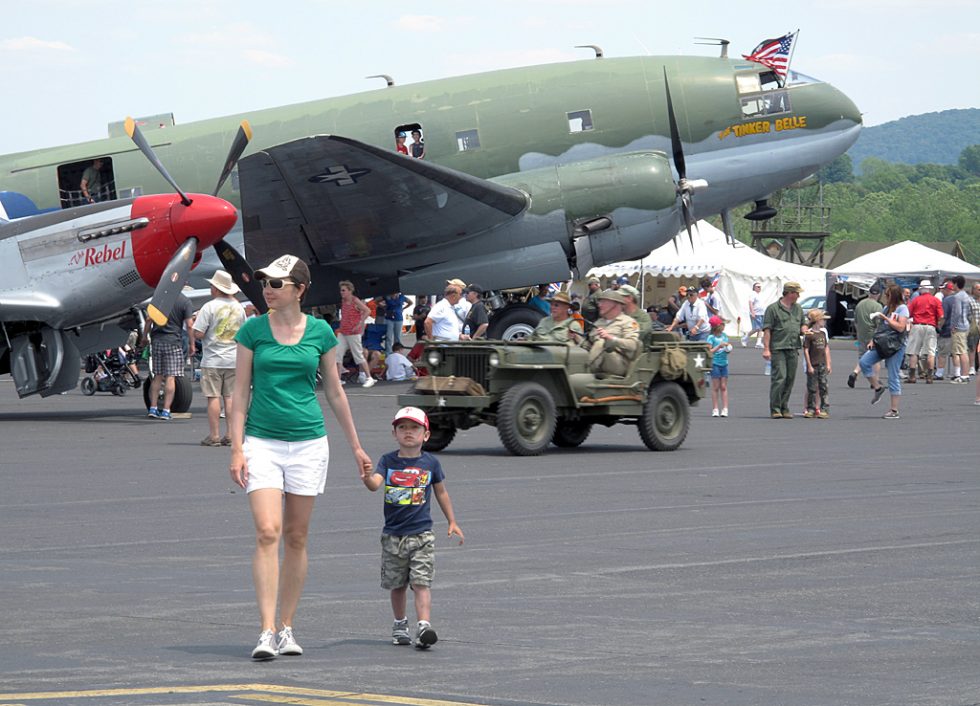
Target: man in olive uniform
(590, 307)
(782, 326)
(615, 339)
(633, 309)
(559, 326)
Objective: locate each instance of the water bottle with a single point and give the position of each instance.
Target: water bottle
(768, 367)
(466, 330)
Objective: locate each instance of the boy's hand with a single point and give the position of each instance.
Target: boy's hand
(364, 464)
(455, 530)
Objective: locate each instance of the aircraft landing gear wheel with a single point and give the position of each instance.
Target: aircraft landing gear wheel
(183, 394)
(88, 387)
(568, 435)
(514, 323)
(666, 417)
(526, 419)
(439, 438)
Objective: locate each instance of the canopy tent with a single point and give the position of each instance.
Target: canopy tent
(904, 260)
(737, 267)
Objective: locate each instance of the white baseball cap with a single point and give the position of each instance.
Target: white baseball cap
(412, 413)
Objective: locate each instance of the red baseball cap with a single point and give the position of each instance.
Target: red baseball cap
(715, 321)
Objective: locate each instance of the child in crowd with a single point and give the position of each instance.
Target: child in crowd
(409, 476)
(720, 348)
(398, 366)
(816, 358)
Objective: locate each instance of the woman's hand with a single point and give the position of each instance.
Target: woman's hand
(239, 469)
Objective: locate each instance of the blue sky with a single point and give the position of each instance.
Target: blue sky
(68, 68)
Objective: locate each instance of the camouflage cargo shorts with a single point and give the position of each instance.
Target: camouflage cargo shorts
(407, 560)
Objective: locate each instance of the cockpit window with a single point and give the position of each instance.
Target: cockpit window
(796, 78)
(761, 93)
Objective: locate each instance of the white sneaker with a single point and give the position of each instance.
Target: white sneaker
(361, 377)
(759, 345)
(724, 412)
(287, 643)
(266, 648)
(745, 341)
(369, 382)
(425, 636)
(714, 413)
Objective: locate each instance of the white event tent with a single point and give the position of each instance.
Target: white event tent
(908, 260)
(667, 268)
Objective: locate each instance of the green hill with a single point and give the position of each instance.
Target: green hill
(930, 138)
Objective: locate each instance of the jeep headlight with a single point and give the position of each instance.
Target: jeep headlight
(494, 359)
(434, 358)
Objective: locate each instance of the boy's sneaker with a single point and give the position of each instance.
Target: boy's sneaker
(399, 633)
(164, 414)
(287, 644)
(724, 412)
(425, 636)
(960, 380)
(714, 412)
(877, 394)
(152, 413)
(266, 648)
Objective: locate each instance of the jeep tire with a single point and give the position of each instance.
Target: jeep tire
(526, 419)
(568, 434)
(666, 417)
(439, 438)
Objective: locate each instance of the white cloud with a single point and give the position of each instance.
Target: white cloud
(33, 44)
(421, 23)
(267, 59)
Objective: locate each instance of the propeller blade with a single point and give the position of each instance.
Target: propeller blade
(172, 282)
(688, 216)
(237, 147)
(675, 136)
(241, 272)
(136, 136)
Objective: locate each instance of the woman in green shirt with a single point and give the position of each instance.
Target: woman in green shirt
(279, 451)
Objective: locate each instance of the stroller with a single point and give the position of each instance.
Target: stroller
(110, 373)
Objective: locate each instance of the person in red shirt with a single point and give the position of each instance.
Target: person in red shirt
(926, 312)
(353, 316)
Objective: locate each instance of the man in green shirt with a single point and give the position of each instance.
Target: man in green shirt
(633, 310)
(782, 326)
(559, 326)
(864, 327)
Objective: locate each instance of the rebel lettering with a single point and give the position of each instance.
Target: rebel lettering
(98, 256)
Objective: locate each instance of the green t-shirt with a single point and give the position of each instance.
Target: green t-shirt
(284, 404)
(784, 326)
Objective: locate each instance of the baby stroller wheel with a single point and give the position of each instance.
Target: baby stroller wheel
(88, 387)
(118, 389)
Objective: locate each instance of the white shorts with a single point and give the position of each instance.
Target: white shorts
(297, 467)
(352, 343)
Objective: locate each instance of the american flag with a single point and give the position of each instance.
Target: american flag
(773, 53)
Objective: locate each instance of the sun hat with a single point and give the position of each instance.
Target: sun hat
(222, 282)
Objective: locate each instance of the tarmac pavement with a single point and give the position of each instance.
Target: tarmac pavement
(765, 562)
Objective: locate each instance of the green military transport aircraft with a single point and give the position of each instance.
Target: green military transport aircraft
(506, 178)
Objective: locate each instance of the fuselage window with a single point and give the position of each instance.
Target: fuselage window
(85, 182)
(580, 121)
(409, 140)
(467, 140)
(761, 94)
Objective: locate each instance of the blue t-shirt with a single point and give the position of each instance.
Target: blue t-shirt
(720, 356)
(408, 490)
(394, 307)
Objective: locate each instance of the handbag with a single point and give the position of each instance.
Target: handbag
(887, 341)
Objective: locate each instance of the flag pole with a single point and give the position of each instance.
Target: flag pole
(792, 51)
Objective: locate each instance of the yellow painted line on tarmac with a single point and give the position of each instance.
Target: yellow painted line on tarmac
(254, 692)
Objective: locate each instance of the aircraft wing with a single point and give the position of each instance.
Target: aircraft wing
(331, 199)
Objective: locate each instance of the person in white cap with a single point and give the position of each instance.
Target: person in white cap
(279, 452)
(410, 477)
(927, 315)
(756, 312)
(215, 326)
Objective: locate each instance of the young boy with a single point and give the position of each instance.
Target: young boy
(720, 348)
(399, 367)
(816, 354)
(409, 476)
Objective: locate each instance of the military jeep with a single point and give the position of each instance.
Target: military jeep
(537, 393)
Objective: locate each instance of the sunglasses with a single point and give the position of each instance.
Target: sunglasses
(276, 283)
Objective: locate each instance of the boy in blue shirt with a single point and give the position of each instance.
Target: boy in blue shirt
(410, 476)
